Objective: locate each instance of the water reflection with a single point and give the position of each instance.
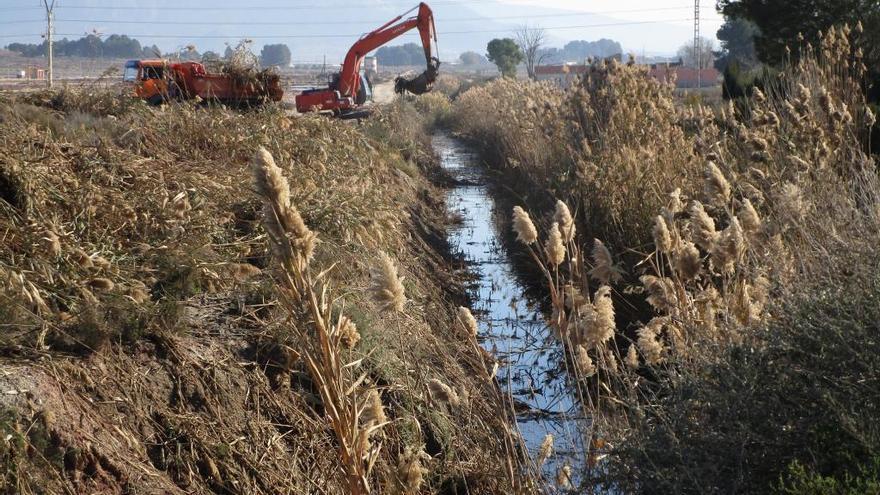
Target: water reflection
(511, 327)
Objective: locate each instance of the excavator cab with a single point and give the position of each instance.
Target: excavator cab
(365, 91)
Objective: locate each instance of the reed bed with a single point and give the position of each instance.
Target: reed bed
(721, 233)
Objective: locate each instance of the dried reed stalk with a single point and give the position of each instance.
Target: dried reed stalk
(344, 403)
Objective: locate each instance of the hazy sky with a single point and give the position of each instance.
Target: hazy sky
(639, 10)
(674, 20)
(314, 28)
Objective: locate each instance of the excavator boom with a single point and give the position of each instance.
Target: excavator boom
(342, 96)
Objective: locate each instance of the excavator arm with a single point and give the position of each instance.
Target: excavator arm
(342, 97)
(349, 78)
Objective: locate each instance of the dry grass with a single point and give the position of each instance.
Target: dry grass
(135, 254)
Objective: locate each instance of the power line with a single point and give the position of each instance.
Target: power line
(500, 30)
(306, 23)
(442, 33)
(309, 6)
(301, 7)
(27, 21)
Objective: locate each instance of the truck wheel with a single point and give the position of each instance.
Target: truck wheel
(155, 100)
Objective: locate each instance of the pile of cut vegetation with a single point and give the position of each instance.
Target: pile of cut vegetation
(243, 66)
(142, 347)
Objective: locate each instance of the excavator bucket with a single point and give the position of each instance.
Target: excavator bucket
(420, 84)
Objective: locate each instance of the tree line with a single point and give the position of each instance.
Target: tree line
(92, 45)
(122, 46)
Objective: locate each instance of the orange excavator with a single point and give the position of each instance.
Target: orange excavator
(349, 89)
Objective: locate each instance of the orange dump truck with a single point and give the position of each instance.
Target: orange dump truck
(158, 81)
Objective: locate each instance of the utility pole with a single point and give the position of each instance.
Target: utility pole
(698, 50)
(50, 17)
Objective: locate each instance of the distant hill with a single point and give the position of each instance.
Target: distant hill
(580, 50)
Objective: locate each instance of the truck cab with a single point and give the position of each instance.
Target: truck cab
(150, 79)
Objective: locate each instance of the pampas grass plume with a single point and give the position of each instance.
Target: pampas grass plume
(563, 478)
(632, 357)
(268, 178)
(523, 226)
(83, 259)
(675, 203)
(662, 237)
(610, 361)
(443, 392)
(661, 293)
(749, 218)
(601, 328)
(687, 261)
(386, 287)
(348, 332)
(702, 227)
(138, 295)
(603, 265)
(717, 186)
(410, 471)
(584, 363)
(563, 217)
(648, 342)
(373, 411)
(546, 449)
(467, 321)
(53, 243)
(280, 216)
(554, 247)
(729, 248)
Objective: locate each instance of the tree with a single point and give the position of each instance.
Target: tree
(275, 55)
(28, 49)
(580, 50)
(702, 55)
(530, 41)
(780, 22)
(472, 58)
(401, 55)
(737, 38)
(505, 54)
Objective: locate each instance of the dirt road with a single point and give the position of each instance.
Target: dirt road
(383, 92)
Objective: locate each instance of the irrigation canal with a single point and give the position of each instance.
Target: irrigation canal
(512, 327)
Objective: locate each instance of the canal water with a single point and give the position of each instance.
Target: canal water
(512, 327)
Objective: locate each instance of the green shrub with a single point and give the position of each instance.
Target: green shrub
(802, 481)
(799, 403)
